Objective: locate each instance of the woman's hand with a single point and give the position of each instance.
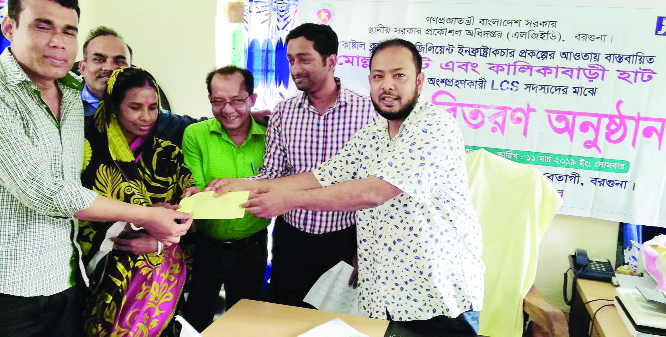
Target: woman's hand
(135, 243)
(191, 191)
(165, 205)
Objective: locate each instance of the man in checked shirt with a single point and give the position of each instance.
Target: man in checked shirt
(304, 131)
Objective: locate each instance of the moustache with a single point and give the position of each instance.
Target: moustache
(106, 74)
(388, 94)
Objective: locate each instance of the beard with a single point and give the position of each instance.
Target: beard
(403, 113)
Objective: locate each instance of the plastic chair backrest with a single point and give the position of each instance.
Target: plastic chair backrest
(515, 204)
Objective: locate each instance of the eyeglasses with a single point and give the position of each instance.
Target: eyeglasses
(238, 103)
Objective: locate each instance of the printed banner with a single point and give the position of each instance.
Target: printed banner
(577, 92)
(266, 25)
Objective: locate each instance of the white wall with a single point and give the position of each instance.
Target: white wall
(177, 45)
(173, 39)
(565, 234)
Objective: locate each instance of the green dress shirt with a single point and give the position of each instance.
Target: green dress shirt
(210, 153)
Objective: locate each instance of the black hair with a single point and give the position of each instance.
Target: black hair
(101, 31)
(418, 61)
(324, 38)
(230, 70)
(15, 7)
(126, 80)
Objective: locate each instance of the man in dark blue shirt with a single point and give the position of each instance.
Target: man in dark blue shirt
(103, 52)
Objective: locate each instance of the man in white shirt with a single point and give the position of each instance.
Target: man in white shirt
(419, 238)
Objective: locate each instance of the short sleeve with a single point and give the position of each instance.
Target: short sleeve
(185, 177)
(428, 154)
(192, 155)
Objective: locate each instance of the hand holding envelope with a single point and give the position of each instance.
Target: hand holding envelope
(265, 200)
(204, 205)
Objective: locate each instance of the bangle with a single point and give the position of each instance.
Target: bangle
(135, 227)
(160, 246)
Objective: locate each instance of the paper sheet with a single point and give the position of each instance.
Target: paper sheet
(334, 328)
(631, 282)
(105, 247)
(652, 296)
(331, 292)
(204, 205)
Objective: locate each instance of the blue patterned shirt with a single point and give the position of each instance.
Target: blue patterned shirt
(419, 254)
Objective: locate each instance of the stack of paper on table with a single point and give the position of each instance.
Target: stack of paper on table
(334, 328)
(331, 292)
(204, 205)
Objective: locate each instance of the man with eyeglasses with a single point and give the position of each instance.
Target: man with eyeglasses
(229, 252)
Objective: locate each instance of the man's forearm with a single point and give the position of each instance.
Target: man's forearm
(296, 182)
(163, 224)
(107, 209)
(301, 181)
(348, 196)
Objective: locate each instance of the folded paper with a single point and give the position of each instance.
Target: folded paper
(205, 205)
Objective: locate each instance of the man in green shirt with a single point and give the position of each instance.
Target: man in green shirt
(229, 252)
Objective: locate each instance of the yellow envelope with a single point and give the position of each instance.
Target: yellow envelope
(204, 205)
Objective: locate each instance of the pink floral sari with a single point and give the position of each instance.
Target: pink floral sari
(131, 295)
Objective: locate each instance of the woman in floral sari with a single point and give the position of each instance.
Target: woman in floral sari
(136, 282)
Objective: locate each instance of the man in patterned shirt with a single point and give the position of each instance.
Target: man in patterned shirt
(41, 155)
(419, 238)
(303, 132)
